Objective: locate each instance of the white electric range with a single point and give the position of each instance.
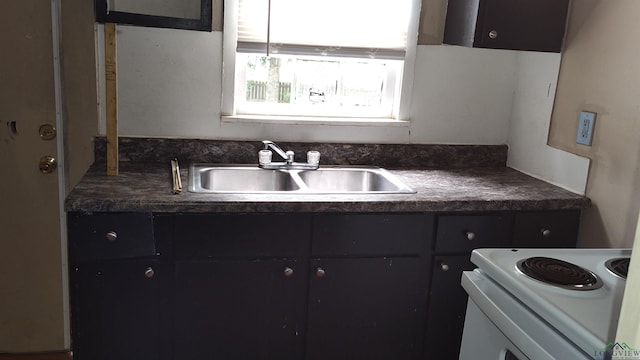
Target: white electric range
(543, 303)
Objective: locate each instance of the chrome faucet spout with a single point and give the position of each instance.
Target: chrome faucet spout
(270, 145)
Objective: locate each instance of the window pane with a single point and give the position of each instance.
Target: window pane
(310, 86)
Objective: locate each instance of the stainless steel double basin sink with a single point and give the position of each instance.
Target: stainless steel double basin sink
(248, 179)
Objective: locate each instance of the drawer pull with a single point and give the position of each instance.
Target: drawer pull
(470, 235)
(111, 236)
(320, 272)
(288, 272)
(444, 267)
(149, 273)
(545, 232)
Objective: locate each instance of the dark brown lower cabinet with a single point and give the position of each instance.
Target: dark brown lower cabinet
(447, 307)
(366, 308)
(116, 310)
(239, 310)
(283, 286)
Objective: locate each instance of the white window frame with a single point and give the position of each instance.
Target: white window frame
(401, 109)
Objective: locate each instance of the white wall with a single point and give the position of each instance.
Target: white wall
(535, 88)
(170, 86)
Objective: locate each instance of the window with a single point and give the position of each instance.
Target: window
(319, 59)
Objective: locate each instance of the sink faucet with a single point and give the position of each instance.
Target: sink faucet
(313, 158)
(286, 155)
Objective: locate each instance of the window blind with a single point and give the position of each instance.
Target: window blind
(353, 28)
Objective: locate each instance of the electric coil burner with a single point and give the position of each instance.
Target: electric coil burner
(619, 267)
(559, 273)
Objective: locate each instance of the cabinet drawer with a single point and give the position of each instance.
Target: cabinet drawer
(241, 236)
(463, 233)
(110, 236)
(550, 229)
(371, 234)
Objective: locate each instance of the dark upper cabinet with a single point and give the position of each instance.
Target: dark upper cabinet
(174, 14)
(534, 25)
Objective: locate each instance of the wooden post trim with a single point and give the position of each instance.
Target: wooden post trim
(111, 75)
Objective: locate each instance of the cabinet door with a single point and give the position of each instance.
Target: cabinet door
(367, 308)
(447, 306)
(115, 310)
(246, 309)
(537, 25)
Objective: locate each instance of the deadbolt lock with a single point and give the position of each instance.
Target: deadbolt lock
(47, 132)
(48, 164)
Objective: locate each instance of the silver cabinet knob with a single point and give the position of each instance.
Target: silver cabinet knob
(149, 273)
(320, 272)
(545, 232)
(493, 34)
(288, 272)
(470, 235)
(111, 236)
(444, 267)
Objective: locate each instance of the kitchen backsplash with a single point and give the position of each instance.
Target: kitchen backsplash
(393, 156)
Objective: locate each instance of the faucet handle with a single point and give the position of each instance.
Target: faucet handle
(264, 157)
(313, 157)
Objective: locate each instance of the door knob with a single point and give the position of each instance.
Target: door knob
(48, 164)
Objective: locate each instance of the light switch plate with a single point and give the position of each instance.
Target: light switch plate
(585, 128)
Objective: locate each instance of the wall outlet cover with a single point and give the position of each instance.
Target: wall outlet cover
(585, 128)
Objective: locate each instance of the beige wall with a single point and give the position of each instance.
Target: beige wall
(80, 86)
(600, 72)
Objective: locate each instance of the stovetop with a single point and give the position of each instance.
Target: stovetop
(587, 318)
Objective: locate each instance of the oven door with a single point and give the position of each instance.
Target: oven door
(500, 327)
(483, 340)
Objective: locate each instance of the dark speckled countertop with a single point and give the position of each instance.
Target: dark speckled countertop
(447, 178)
(147, 187)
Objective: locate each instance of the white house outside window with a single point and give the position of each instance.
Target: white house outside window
(319, 59)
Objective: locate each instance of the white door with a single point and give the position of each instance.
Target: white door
(32, 315)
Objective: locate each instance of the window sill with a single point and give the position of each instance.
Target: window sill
(291, 120)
